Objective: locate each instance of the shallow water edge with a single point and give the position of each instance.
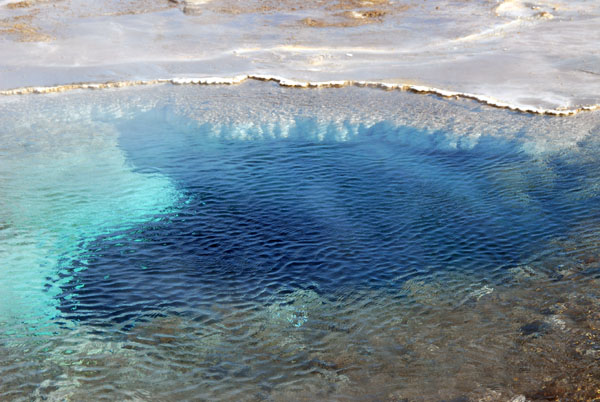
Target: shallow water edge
(288, 83)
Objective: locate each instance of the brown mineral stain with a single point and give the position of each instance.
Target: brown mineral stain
(332, 13)
(354, 4)
(27, 27)
(22, 29)
(347, 19)
(20, 4)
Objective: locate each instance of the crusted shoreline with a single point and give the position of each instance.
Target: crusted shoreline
(290, 83)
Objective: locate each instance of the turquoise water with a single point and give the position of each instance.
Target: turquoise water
(152, 253)
(54, 200)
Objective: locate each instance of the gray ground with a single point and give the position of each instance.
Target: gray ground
(539, 54)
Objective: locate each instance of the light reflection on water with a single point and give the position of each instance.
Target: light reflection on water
(197, 261)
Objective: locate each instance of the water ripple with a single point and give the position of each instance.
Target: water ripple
(371, 268)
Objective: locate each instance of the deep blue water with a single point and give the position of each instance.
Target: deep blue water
(267, 215)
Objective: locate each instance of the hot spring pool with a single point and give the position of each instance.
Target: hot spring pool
(260, 243)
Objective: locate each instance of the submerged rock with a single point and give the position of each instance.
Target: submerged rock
(293, 309)
(535, 328)
(526, 273)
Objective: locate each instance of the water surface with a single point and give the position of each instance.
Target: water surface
(155, 250)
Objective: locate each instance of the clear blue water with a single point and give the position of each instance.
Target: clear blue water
(264, 267)
(266, 216)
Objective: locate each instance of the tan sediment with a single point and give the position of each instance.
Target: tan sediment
(355, 13)
(352, 4)
(347, 19)
(237, 7)
(289, 83)
(333, 13)
(132, 7)
(25, 27)
(20, 4)
(22, 28)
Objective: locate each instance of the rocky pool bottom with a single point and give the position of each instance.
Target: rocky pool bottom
(257, 243)
(536, 337)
